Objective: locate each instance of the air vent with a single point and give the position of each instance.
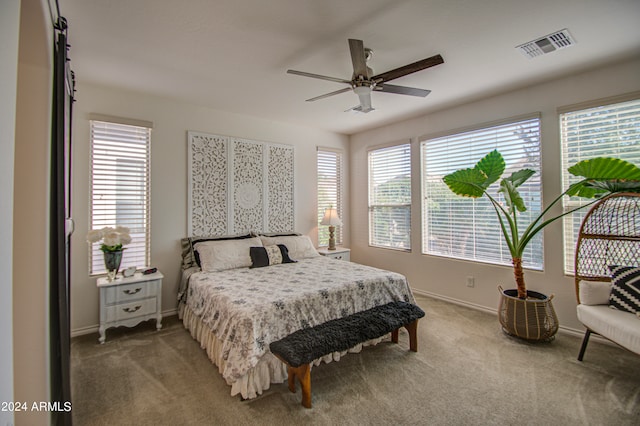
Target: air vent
(547, 44)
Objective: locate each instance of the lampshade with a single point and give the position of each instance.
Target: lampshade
(331, 217)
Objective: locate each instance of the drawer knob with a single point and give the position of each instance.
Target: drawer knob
(137, 290)
(130, 310)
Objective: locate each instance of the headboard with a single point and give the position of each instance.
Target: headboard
(609, 235)
(239, 185)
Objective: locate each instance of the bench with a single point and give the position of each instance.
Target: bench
(298, 350)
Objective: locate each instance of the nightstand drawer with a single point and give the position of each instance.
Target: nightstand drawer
(134, 309)
(126, 292)
(340, 253)
(344, 255)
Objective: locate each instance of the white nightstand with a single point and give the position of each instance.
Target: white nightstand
(340, 253)
(129, 301)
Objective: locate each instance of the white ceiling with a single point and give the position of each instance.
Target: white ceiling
(232, 55)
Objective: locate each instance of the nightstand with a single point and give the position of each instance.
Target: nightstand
(129, 301)
(340, 253)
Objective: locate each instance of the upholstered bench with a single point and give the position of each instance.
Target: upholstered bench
(298, 350)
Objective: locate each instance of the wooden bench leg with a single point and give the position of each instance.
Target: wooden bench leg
(303, 373)
(292, 379)
(412, 328)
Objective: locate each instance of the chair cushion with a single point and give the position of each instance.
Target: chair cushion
(620, 327)
(594, 292)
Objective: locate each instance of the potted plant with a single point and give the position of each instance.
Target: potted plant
(113, 240)
(525, 313)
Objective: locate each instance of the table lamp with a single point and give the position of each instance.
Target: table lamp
(332, 219)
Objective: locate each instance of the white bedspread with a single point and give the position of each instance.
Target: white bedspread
(247, 309)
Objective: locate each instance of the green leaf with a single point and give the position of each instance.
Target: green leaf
(604, 168)
(520, 177)
(512, 196)
(580, 189)
(604, 175)
(492, 165)
(466, 182)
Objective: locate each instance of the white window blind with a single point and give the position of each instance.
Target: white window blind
(390, 197)
(120, 156)
(330, 165)
(604, 131)
(468, 228)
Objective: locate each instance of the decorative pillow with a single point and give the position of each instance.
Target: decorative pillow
(226, 254)
(300, 246)
(625, 292)
(594, 292)
(270, 255)
(279, 234)
(189, 258)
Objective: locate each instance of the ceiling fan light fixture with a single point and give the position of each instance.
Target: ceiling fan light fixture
(362, 90)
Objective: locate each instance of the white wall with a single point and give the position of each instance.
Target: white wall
(9, 32)
(31, 211)
(172, 120)
(446, 277)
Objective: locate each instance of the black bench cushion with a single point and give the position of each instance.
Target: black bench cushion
(303, 346)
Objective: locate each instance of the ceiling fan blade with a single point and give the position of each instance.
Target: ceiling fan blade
(358, 58)
(401, 90)
(408, 69)
(326, 95)
(321, 77)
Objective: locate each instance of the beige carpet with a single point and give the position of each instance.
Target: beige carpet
(466, 372)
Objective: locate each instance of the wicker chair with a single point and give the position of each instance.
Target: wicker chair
(609, 235)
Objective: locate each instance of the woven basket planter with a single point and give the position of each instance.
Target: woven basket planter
(532, 319)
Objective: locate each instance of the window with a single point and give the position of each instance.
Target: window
(329, 191)
(609, 130)
(120, 192)
(390, 197)
(468, 228)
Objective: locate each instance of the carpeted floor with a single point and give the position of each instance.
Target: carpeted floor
(466, 372)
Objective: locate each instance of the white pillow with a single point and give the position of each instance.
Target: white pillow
(299, 246)
(594, 292)
(227, 254)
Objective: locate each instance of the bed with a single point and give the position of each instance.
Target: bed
(235, 310)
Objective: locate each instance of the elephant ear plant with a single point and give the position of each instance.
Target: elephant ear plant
(601, 176)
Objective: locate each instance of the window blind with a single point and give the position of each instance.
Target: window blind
(330, 164)
(390, 197)
(468, 228)
(603, 131)
(120, 189)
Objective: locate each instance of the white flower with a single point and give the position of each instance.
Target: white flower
(94, 236)
(125, 238)
(122, 230)
(111, 239)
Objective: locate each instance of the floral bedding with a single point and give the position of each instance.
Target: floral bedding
(247, 309)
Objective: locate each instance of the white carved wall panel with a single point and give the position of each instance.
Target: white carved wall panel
(239, 185)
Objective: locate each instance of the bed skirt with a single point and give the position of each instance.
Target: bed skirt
(269, 369)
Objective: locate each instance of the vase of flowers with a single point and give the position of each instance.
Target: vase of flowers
(113, 240)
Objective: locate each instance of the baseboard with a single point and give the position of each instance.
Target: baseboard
(455, 301)
(561, 329)
(94, 328)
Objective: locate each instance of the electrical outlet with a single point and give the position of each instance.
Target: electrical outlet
(471, 282)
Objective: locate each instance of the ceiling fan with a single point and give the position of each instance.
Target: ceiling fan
(363, 81)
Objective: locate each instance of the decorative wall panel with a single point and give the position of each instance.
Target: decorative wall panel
(239, 185)
(208, 188)
(248, 184)
(280, 188)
